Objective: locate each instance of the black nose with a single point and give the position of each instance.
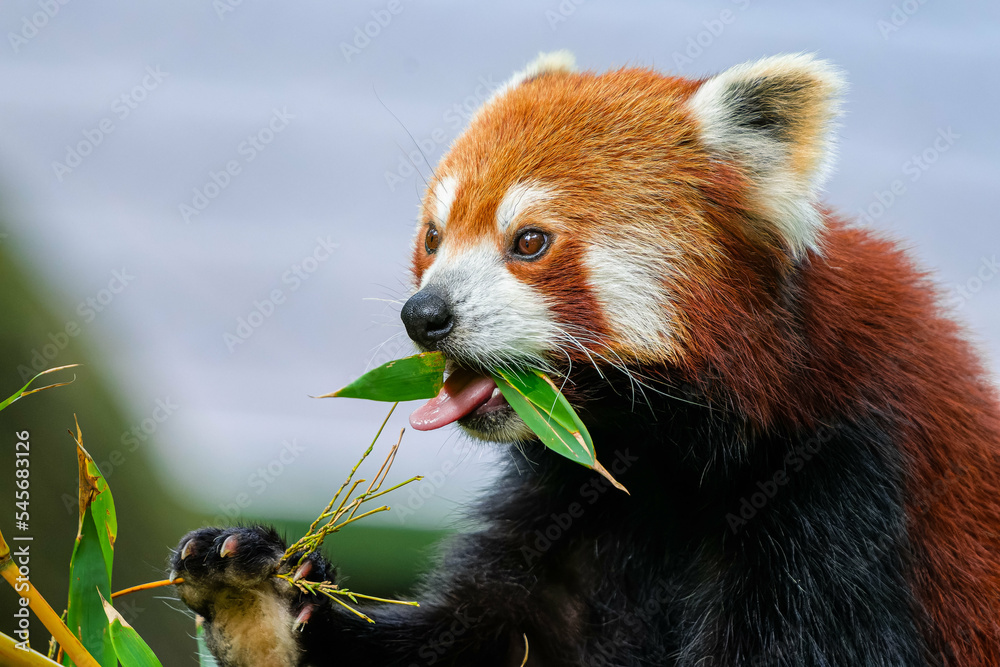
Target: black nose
(427, 318)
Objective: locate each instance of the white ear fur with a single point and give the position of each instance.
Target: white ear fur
(775, 118)
(554, 61)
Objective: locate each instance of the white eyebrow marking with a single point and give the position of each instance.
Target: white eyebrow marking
(519, 198)
(444, 197)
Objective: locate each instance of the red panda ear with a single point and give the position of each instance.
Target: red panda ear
(554, 61)
(774, 117)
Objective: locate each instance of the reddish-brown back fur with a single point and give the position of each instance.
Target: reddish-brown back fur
(884, 339)
(875, 334)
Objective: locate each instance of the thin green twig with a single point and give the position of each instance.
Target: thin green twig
(346, 512)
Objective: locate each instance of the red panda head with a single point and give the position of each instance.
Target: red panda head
(615, 220)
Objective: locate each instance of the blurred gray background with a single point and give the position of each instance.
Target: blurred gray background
(174, 178)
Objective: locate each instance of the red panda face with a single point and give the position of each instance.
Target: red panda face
(580, 217)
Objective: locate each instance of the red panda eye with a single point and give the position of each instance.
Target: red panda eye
(531, 244)
(432, 240)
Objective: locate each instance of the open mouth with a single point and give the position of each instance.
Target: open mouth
(465, 394)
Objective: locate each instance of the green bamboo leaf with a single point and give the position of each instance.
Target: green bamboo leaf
(205, 657)
(542, 392)
(90, 565)
(552, 434)
(537, 400)
(531, 393)
(132, 651)
(23, 391)
(95, 495)
(102, 510)
(406, 379)
(85, 615)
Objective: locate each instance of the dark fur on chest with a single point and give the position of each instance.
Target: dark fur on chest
(733, 547)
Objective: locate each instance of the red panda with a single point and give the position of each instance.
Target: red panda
(812, 448)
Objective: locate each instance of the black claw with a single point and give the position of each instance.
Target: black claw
(234, 552)
(214, 560)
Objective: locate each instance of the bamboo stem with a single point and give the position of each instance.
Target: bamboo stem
(49, 618)
(335, 520)
(14, 657)
(143, 587)
(371, 597)
(349, 608)
(351, 475)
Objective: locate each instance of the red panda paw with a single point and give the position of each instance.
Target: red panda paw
(251, 616)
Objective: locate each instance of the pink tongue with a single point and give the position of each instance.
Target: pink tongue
(463, 392)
